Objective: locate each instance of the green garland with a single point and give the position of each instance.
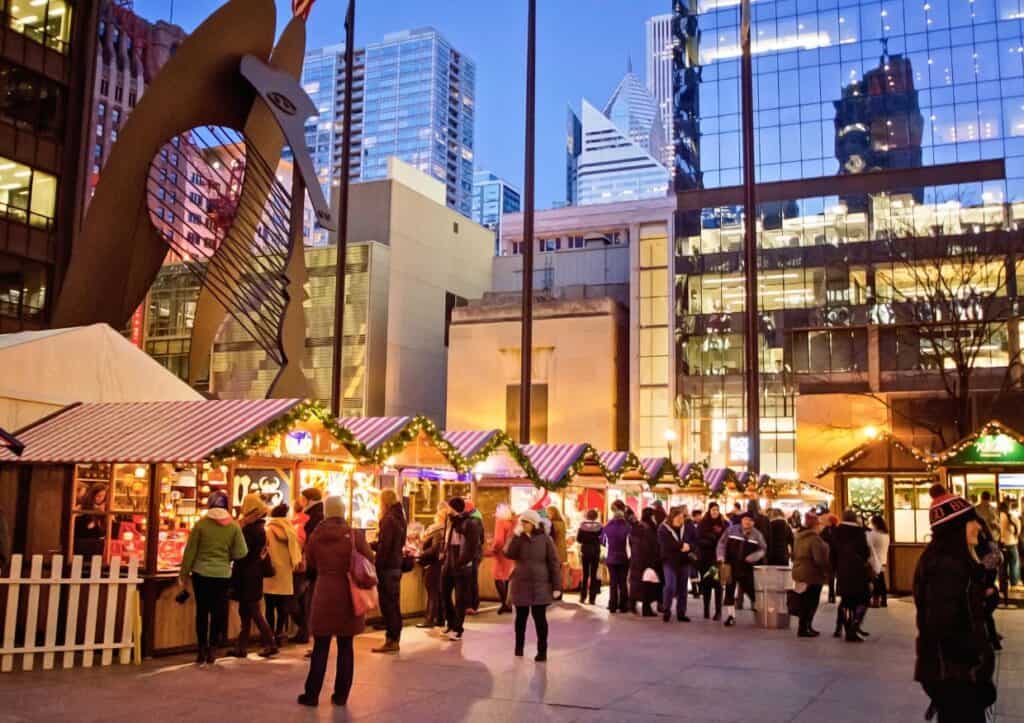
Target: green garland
(496, 440)
(929, 461)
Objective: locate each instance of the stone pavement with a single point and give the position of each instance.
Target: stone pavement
(600, 668)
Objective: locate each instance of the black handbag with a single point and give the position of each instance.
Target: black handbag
(266, 564)
(408, 563)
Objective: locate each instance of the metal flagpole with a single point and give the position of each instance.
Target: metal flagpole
(751, 327)
(346, 150)
(526, 376)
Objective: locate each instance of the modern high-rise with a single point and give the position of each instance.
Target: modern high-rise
(414, 97)
(45, 70)
(889, 149)
(614, 163)
(658, 54)
(493, 197)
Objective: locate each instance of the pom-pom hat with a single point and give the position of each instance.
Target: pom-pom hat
(950, 507)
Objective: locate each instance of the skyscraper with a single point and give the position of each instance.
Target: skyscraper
(612, 164)
(493, 197)
(658, 55)
(573, 149)
(414, 99)
(46, 52)
(635, 112)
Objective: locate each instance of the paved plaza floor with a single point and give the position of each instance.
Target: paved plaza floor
(600, 668)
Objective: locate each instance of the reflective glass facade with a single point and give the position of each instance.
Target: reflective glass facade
(923, 91)
(492, 198)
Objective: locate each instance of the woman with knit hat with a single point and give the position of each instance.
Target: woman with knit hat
(955, 659)
(213, 543)
(329, 552)
(536, 581)
(247, 578)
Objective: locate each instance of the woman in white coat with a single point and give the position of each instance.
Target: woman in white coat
(878, 541)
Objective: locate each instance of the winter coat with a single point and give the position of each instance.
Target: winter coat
(589, 538)
(987, 512)
(285, 553)
(433, 544)
(739, 548)
(314, 512)
(464, 544)
(503, 566)
(810, 558)
(538, 572)
(299, 520)
(709, 532)
(780, 542)
(212, 545)
(615, 536)
(247, 573)
(953, 650)
(329, 555)
(879, 544)
(851, 560)
(643, 554)
(390, 540)
(670, 543)
(1009, 530)
(558, 533)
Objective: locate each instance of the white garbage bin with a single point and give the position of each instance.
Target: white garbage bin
(771, 584)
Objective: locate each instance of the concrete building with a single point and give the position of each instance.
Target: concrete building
(402, 285)
(493, 197)
(46, 50)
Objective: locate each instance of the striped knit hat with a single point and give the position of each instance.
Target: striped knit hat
(950, 507)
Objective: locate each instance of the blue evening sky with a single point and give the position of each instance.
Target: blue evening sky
(582, 47)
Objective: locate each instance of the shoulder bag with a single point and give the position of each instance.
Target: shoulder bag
(362, 583)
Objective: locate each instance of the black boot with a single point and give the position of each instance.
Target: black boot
(542, 651)
(647, 611)
(840, 623)
(520, 644)
(707, 605)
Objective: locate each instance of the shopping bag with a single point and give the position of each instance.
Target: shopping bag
(650, 575)
(363, 599)
(361, 571)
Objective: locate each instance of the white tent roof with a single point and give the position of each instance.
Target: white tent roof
(42, 371)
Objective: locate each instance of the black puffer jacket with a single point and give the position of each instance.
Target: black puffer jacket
(850, 555)
(391, 539)
(247, 573)
(953, 650)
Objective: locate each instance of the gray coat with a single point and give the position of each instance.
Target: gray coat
(538, 572)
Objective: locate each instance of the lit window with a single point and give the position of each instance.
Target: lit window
(46, 22)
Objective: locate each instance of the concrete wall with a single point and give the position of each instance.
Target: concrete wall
(579, 348)
(605, 266)
(434, 250)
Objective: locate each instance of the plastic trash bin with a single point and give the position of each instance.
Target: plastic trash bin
(771, 583)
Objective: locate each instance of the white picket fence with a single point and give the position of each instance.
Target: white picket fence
(116, 595)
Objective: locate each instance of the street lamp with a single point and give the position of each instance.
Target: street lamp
(670, 437)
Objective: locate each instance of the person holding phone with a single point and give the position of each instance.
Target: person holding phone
(677, 537)
(536, 580)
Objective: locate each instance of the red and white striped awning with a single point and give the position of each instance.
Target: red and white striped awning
(145, 432)
(372, 432)
(552, 461)
(468, 443)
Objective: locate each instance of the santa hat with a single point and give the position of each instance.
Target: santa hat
(950, 507)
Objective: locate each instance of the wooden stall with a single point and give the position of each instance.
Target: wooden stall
(131, 479)
(693, 490)
(886, 477)
(631, 483)
(663, 478)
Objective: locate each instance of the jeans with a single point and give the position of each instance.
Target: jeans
(676, 581)
(618, 600)
(590, 586)
(318, 667)
(1011, 553)
(277, 607)
(389, 588)
(809, 600)
(455, 612)
(211, 608)
(540, 624)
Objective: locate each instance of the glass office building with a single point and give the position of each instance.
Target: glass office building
(419, 106)
(493, 197)
(882, 128)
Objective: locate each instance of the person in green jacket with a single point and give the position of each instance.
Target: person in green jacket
(215, 541)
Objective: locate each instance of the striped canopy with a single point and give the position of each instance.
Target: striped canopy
(372, 432)
(468, 444)
(145, 432)
(656, 468)
(554, 461)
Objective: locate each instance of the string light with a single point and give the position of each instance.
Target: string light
(929, 461)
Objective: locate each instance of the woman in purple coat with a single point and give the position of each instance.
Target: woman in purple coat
(614, 536)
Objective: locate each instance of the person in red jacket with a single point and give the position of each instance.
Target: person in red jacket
(504, 524)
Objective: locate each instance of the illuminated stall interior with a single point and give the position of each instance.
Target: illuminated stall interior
(797, 496)
(886, 477)
(632, 484)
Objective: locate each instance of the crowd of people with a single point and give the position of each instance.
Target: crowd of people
(303, 567)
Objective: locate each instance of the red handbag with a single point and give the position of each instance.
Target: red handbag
(362, 582)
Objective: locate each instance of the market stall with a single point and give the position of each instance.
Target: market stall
(500, 474)
(796, 496)
(663, 478)
(631, 483)
(693, 489)
(131, 479)
(884, 476)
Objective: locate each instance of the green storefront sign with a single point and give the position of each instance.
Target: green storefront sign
(991, 449)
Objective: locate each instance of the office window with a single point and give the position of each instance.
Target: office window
(30, 100)
(47, 23)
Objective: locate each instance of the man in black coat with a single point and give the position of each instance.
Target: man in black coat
(780, 540)
(850, 557)
(589, 539)
(388, 560)
(464, 540)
